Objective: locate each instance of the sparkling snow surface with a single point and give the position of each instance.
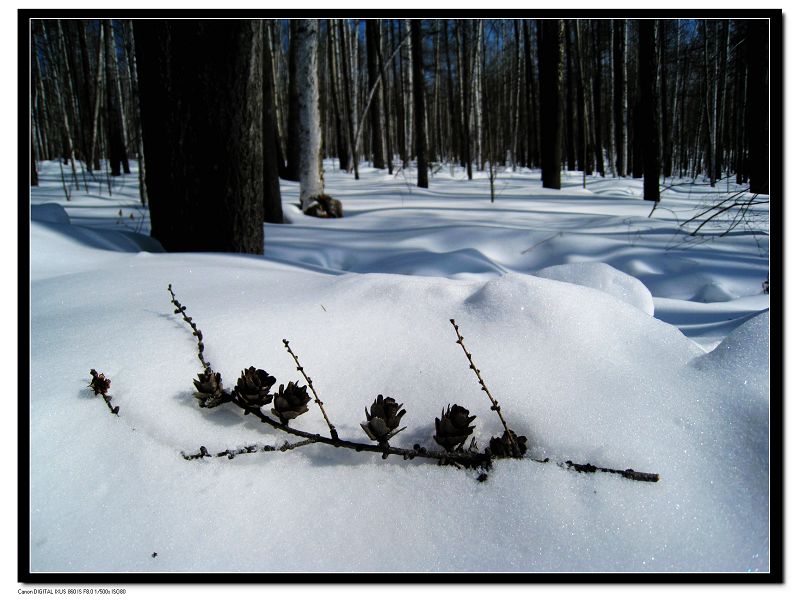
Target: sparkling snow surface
(554, 292)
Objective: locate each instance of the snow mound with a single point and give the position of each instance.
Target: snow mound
(743, 354)
(713, 292)
(585, 376)
(602, 276)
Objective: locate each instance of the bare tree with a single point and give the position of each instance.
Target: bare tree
(551, 72)
(419, 104)
(201, 97)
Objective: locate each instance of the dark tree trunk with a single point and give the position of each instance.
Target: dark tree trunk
(648, 67)
(273, 210)
(348, 108)
(201, 97)
(292, 147)
(634, 131)
(722, 84)
(455, 130)
(758, 104)
(583, 142)
(397, 67)
(115, 120)
(569, 115)
(620, 95)
(342, 143)
(376, 106)
(466, 92)
(597, 90)
(532, 146)
(387, 113)
(551, 48)
(666, 119)
(419, 104)
(34, 172)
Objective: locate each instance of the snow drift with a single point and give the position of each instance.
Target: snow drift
(579, 366)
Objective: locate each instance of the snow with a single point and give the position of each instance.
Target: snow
(607, 337)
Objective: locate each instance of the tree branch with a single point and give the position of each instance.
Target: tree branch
(331, 427)
(195, 330)
(495, 404)
(458, 457)
(231, 453)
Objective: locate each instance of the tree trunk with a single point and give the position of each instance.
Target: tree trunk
(465, 101)
(308, 131)
(722, 84)
(551, 53)
(292, 149)
(648, 68)
(597, 90)
(342, 142)
(348, 107)
(34, 172)
(620, 95)
(531, 150)
(419, 104)
(710, 100)
(201, 95)
(400, 111)
(476, 86)
(758, 104)
(583, 163)
(408, 102)
(569, 114)
(273, 210)
(387, 113)
(376, 106)
(115, 120)
(131, 54)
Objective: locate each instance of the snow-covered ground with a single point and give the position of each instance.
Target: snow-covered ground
(608, 337)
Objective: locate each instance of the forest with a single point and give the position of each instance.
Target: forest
(647, 98)
(442, 297)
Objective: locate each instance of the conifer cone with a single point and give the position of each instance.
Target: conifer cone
(209, 389)
(503, 447)
(383, 419)
(99, 384)
(253, 386)
(453, 429)
(290, 401)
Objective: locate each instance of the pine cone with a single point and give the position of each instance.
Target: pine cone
(502, 447)
(383, 419)
(291, 401)
(253, 386)
(209, 389)
(454, 427)
(99, 384)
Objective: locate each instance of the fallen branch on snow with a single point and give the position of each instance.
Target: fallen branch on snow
(251, 394)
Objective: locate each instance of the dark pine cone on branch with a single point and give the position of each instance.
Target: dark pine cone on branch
(252, 388)
(383, 419)
(209, 389)
(290, 401)
(453, 429)
(503, 446)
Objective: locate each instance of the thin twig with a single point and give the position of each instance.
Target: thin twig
(195, 330)
(331, 427)
(495, 404)
(231, 453)
(630, 474)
